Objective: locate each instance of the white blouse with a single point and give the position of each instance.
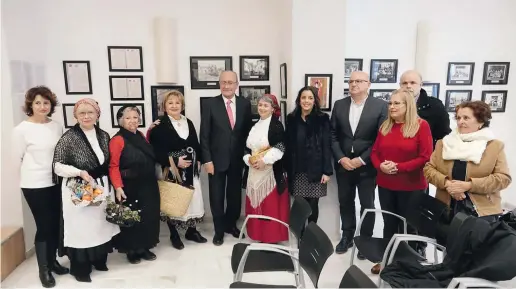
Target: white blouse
(258, 139)
(181, 126)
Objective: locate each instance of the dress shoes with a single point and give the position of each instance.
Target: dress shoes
(218, 239)
(235, 232)
(101, 267)
(360, 256)
(148, 255)
(376, 269)
(133, 258)
(343, 246)
(194, 235)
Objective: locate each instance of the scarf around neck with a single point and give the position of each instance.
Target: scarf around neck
(466, 147)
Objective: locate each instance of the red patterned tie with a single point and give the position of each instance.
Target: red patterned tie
(230, 114)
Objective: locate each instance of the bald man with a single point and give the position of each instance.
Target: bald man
(355, 122)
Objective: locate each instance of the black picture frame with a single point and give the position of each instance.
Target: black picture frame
(157, 94)
(283, 80)
(202, 104)
(346, 93)
(208, 79)
(383, 94)
(253, 94)
(114, 107)
(384, 70)
(283, 110)
(75, 63)
(129, 79)
(69, 119)
(351, 65)
(460, 77)
(493, 79)
(450, 102)
(312, 79)
(249, 63)
(126, 49)
(434, 86)
(495, 104)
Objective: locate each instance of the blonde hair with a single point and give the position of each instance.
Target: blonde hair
(411, 125)
(171, 93)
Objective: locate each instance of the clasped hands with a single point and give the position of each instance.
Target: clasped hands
(389, 167)
(351, 164)
(258, 164)
(457, 189)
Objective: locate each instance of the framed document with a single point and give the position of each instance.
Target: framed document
(205, 70)
(158, 93)
(125, 87)
(77, 76)
(125, 58)
(116, 106)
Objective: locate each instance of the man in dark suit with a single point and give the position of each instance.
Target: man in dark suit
(225, 124)
(355, 123)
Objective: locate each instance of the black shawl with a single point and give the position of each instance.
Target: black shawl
(138, 140)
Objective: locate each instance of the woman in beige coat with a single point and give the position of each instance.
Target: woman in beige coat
(468, 166)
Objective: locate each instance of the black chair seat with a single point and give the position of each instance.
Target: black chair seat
(253, 285)
(260, 261)
(373, 249)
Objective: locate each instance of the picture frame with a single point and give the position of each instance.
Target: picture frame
(157, 94)
(125, 58)
(77, 77)
(432, 88)
(346, 93)
(253, 94)
(384, 70)
(205, 70)
(496, 73)
(460, 73)
(254, 67)
(202, 99)
(383, 94)
(323, 83)
(69, 119)
(114, 107)
(455, 97)
(126, 87)
(283, 80)
(496, 99)
(283, 110)
(352, 65)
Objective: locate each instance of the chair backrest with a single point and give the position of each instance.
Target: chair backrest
(424, 213)
(356, 278)
(299, 213)
(314, 250)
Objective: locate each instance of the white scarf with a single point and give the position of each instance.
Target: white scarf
(466, 147)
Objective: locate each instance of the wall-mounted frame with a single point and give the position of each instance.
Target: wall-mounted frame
(157, 96)
(351, 65)
(496, 73)
(460, 73)
(384, 70)
(455, 97)
(383, 94)
(432, 88)
(114, 107)
(69, 119)
(205, 70)
(77, 77)
(283, 80)
(125, 58)
(496, 99)
(283, 109)
(254, 68)
(346, 92)
(202, 102)
(253, 94)
(323, 84)
(126, 87)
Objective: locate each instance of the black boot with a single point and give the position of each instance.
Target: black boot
(52, 262)
(45, 276)
(174, 237)
(193, 235)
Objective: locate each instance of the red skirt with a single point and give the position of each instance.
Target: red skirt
(276, 206)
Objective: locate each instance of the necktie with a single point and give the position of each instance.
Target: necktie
(230, 114)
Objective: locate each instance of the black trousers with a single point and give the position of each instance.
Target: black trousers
(226, 186)
(314, 205)
(84, 268)
(45, 205)
(348, 182)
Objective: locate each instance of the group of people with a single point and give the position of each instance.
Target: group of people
(368, 142)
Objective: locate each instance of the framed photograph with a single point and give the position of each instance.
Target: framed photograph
(460, 73)
(496, 73)
(346, 92)
(205, 70)
(497, 99)
(323, 84)
(384, 70)
(77, 77)
(202, 99)
(352, 65)
(432, 88)
(125, 58)
(253, 93)
(283, 109)
(383, 94)
(283, 80)
(68, 119)
(116, 106)
(254, 68)
(157, 96)
(455, 97)
(126, 87)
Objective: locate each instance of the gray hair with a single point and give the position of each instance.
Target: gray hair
(268, 99)
(127, 109)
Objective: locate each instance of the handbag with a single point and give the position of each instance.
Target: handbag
(258, 155)
(174, 197)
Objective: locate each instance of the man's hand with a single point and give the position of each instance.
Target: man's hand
(208, 167)
(356, 162)
(347, 164)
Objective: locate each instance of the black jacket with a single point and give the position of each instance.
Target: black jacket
(433, 111)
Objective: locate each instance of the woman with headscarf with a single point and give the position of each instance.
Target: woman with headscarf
(266, 184)
(83, 153)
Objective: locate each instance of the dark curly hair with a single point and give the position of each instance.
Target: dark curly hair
(481, 111)
(317, 102)
(46, 93)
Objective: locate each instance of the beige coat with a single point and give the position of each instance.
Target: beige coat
(487, 178)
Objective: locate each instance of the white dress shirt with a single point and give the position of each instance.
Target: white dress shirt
(355, 112)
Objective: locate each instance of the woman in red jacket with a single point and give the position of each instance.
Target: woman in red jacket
(402, 148)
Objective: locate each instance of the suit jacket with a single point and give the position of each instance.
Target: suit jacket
(219, 143)
(432, 110)
(343, 139)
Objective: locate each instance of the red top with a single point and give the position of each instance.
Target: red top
(116, 145)
(411, 155)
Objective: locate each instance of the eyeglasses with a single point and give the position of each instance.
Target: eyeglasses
(88, 113)
(229, 83)
(357, 81)
(396, 103)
